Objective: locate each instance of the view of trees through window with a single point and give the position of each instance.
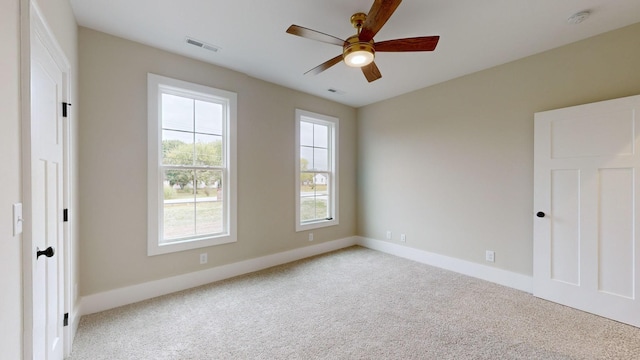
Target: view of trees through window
(193, 167)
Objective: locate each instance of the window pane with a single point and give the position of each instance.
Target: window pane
(181, 181)
(307, 209)
(322, 208)
(179, 205)
(209, 202)
(306, 158)
(208, 150)
(306, 183)
(306, 133)
(177, 148)
(179, 220)
(314, 208)
(209, 183)
(307, 186)
(208, 217)
(177, 113)
(208, 117)
(320, 159)
(321, 184)
(320, 136)
(314, 196)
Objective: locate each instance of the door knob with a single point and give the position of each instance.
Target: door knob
(540, 214)
(48, 252)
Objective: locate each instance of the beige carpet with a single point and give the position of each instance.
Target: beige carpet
(352, 304)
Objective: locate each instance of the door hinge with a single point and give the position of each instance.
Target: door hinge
(64, 109)
(66, 320)
(65, 215)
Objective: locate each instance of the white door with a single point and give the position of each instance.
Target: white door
(586, 186)
(46, 188)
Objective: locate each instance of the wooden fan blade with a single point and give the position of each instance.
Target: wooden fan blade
(314, 35)
(423, 43)
(371, 72)
(325, 65)
(380, 12)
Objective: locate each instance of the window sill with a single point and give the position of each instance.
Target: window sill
(316, 225)
(158, 249)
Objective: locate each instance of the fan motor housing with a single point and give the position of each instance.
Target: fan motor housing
(353, 45)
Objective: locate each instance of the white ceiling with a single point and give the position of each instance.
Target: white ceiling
(474, 35)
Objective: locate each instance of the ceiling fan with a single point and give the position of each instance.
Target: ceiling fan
(359, 50)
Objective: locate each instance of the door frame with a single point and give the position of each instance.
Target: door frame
(33, 22)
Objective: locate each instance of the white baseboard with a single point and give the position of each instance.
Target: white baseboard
(488, 273)
(128, 295)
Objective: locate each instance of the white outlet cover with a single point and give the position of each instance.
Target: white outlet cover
(490, 256)
(17, 219)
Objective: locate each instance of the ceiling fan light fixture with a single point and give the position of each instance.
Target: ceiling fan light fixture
(358, 54)
(359, 58)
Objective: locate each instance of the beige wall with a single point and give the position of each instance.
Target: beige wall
(62, 23)
(10, 246)
(113, 158)
(452, 165)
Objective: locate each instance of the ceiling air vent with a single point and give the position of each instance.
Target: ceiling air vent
(336, 91)
(203, 45)
(578, 17)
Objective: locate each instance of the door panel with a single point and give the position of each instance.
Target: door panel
(565, 237)
(600, 133)
(46, 202)
(586, 247)
(615, 238)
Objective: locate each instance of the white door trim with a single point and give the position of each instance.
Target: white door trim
(33, 23)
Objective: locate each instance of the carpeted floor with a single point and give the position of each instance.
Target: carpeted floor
(355, 303)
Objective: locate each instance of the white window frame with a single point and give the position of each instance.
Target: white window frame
(333, 124)
(156, 86)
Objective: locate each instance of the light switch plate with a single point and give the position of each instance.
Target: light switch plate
(17, 219)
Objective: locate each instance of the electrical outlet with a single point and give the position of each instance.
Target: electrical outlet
(17, 219)
(403, 237)
(490, 256)
(388, 235)
(203, 258)
(310, 236)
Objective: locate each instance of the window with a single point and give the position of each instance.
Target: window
(191, 170)
(316, 170)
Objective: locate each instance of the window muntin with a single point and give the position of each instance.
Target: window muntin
(316, 170)
(191, 165)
